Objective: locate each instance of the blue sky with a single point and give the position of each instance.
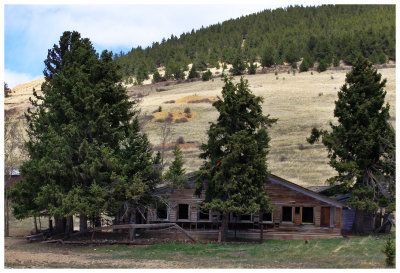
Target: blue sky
(30, 30)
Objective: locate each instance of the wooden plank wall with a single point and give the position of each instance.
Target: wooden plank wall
(280, 196)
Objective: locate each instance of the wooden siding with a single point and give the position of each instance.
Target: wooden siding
(280, 195)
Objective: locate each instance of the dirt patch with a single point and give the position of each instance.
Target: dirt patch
(174, 116)
(196, 99)
(67, 259)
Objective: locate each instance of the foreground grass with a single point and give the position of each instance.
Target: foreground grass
(357, 252)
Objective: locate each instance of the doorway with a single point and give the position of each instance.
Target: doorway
(325, 217)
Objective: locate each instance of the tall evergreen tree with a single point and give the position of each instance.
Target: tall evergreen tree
(361, 145)
(176, 173)
(235, 169)
(78, 133)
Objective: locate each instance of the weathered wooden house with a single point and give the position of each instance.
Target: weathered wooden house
(298, 213)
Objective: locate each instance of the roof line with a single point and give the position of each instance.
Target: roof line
(280, 180)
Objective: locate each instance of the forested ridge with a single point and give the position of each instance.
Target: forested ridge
(324, 34)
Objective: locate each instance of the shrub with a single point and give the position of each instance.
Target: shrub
(336, 61)
(206, 75)
(187, 110)
(159, 108)
(252, 68)
(323, 66)
(302, 147)
(193, 73)
(206, 100)
(180, 140)
(169, 118)
(169, 101)
(389, 249)
(282, 158)
(181, 120)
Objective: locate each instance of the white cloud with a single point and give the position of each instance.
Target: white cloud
(120, 25)
(13, 78)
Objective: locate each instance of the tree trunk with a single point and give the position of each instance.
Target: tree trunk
(358, 226)
(83, 223)
(50, 225)
(6, 217)
(261, 227)
(132, 220)
(35, 224)
(97, 221)
(224, 228)
(70, 224)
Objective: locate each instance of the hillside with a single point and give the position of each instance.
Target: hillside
(326, 33)
(300, 101)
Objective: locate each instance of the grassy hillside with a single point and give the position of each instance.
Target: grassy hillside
(300, 102)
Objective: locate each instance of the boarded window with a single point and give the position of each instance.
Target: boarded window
(307, 215)
(183, 212)
(287, 214)
(267, 216)
(204, 214)
(162, 211)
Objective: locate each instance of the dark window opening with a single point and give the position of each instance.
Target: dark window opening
(307, 215)
(183, 211)
(162, 212)
(287, 214)
(204, 214)
(297, 210)
(267, 216)
(245, 217)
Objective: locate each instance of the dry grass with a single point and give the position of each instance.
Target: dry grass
(300, 102)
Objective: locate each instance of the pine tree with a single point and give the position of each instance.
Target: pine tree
(80, 132)
(238, 65)
(252, 68)
(235, 169)
(176, 173)
(6, 90)
(193, 74)
(268, 57)
(206, 75)
(361, 146)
